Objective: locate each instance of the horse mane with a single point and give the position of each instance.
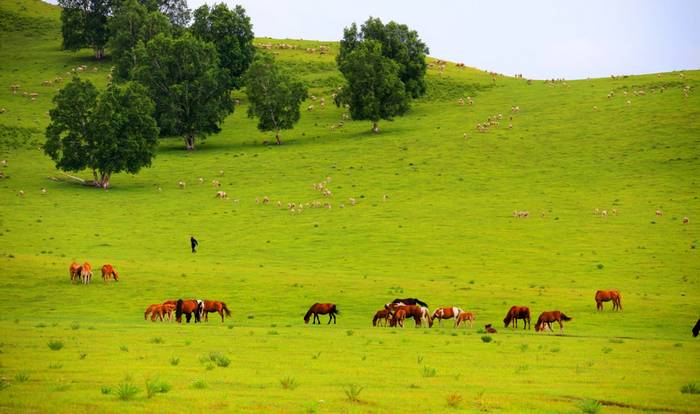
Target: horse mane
(178, 308)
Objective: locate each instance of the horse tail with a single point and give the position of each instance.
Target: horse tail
(335, 310)
(565, 318)
(418, 301)
(178, 308)
(223, 306)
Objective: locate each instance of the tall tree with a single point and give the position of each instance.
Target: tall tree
(84, 24)
(374, 90)
(232, 33)
(175, 10)
(274, 96)
(108, 134)
(191, 91)
(133, 23)
(399, 43)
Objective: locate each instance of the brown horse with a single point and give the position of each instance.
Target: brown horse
(607, 296)
(215, 306)
(515, 313)
(86, 273)
(108, 272)
(549, 317)
(446, 313)
(322, 309)
(464, 316)
(159, 311)
(189, 307)
(381, 315)
(74, 271)
(418, 313)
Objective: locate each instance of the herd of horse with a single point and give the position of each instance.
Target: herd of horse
(395, 313)
(197, 308)
(83, 273)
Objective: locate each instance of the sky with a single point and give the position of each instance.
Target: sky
(541, 39)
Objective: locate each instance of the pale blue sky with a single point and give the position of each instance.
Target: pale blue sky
(540, 39)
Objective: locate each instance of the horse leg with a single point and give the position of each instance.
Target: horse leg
(188, 316)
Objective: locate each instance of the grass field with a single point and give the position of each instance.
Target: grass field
(445, 234)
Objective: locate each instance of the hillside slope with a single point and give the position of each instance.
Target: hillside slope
(432, 219)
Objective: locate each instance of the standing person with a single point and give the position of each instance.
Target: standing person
(194, 243)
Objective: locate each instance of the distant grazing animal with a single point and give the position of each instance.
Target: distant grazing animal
(189, 307)
(446, 313)
(381, 315)
(515, 313)
(696, 329)
(159, 311)
(607, 296)
(686, 220)
(490, 329)
(464, 317)
(215, 306)
(322, 309)
(86, 273)
(108, 272)
(549, 317)
(74, 271)
(659, 213)
(150, 310)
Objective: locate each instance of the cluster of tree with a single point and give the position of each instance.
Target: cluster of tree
(184, 75)
(384, 66)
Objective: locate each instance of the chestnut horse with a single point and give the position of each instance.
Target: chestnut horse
(548, 318)
(381, 315)
(418, 313)
(607, 296)
(464, 316)
(446, 313)
(189, 307)
(515, 313)
(86, 273)
(108, 272)
(159, 311)
(322, 309)
(215, 306)
(74, 271)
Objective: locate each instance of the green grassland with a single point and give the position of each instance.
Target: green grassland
(445, 234)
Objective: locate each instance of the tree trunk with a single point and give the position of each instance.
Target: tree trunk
(189, 142)
(95, 180)
(375, 128)
(277, 137)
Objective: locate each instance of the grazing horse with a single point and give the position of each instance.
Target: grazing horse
(515, 313)
(418, 313)
(446, 313)
(381, 315)
(86, 273)
(108, 272)
(322, 309)
(159, 311)
(464, 316)
(215, 306)
(189, 307)
(696, 329)
(74, 271)
(549, 317)
(607, 296)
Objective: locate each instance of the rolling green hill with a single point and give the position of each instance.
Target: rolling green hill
(432, 218)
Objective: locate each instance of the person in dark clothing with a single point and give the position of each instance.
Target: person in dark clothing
(194, 244)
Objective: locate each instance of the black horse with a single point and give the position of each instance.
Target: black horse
(696, 328)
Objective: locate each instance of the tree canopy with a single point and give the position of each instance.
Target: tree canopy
(133, 23)
(84, 24)
(399, 43)
(183, 77)
(108, 133)
(274, 96)
(232, 34)
(374, 90)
